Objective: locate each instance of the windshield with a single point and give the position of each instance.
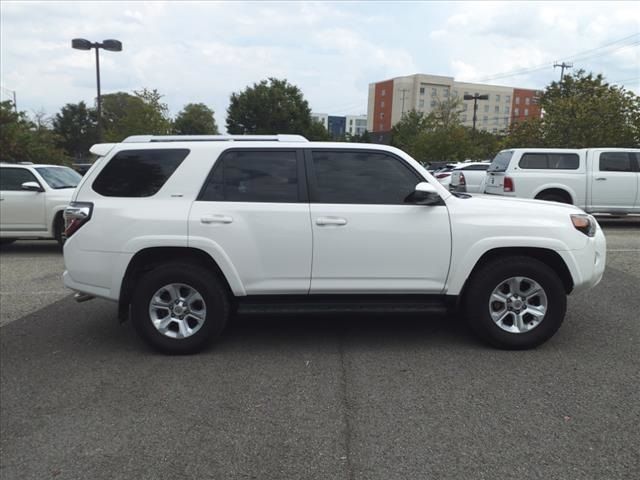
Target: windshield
(501, 161)
(59, 177)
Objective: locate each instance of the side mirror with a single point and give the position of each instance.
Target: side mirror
(424, 194)
(32, 187)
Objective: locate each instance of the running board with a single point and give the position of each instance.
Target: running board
(311, 304)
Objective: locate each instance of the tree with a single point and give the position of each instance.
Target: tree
(143, 113)
(195, 119)
(22, 140)
(317, 132)
(527, 134)
(406, 132)
(270, 107)
(76, 127)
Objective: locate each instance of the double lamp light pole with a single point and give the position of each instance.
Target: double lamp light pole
(110, 45)
(475, 99)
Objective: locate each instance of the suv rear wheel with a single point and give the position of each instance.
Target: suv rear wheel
(179, 308)
(515, 302)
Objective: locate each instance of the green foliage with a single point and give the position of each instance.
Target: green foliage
(270, 107)
(76, 127)
(584, 111)
(143, 113)
(317, 133)
(527, 134)
(195, 119)
(24, 140)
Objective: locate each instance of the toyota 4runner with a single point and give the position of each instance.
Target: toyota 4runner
(184, 231)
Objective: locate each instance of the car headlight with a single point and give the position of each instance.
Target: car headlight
(585, 223)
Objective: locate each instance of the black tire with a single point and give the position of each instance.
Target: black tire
(488, 277)
(554, 197)
(207, 284)
(58, 229)
(7, 241)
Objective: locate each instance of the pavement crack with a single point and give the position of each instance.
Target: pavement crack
(347, 408)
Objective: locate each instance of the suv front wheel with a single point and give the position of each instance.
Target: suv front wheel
(515, 302)
(179, 308)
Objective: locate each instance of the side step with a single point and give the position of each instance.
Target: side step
(311, 304)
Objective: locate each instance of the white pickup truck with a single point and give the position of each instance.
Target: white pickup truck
(598, 180)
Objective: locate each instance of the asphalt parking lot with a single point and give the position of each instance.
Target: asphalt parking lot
(319, 397)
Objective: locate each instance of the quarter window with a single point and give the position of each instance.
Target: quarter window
(254, 176)
(615, 162)
(361, 178)
(11, 179)
(138, 173)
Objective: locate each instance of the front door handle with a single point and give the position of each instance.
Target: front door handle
(599, 179)
(208, 219)
(337, 221)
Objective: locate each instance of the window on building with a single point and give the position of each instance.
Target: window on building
(506, 121)
(496, 120)
(517, 100)
(382, 104)
(446, 92)
(434, 92)
(527, 100)
(516, 111)
(381, 115)
(421, 90)
(466, 93)
(507, 98)
(380, 127)
(494, 130)
(138, 173)
(383, 92)
(254, 176)
(496, 109)
(421, 104)
(465, 106)
(526, 112)
(361, 178)
(433, 103)
(486, 109)
(485, 119)
(488, 97)
(497, 98)
(507, 108)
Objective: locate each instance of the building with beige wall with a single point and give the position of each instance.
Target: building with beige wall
(390, 99)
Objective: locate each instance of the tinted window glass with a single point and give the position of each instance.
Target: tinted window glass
(361, 178)
(615, 162)
(138, 173)
(60, 177)
(13, 178)
(550, 161)
(475, 167)
(254, 176)
(501, 161)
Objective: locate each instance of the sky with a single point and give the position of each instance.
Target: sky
(204, 51)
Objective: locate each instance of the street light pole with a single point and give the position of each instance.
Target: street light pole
(112, 46)
(475, 99)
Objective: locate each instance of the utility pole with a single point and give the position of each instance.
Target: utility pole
(562, 66)
(404, 92)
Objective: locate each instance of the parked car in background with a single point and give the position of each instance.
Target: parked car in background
(443, 174)
(183, 231)
(469, 177)
(597, 180)
(33, 199)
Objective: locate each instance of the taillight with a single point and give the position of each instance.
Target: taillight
(443, 175)
(76, 215)
(462, 181)
(508, 184)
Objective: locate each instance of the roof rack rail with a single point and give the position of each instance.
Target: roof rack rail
(214, 138)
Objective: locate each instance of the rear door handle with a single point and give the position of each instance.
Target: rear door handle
(337, 221)
(599, 179)
(208, 219)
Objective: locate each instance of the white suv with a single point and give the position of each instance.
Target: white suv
(32, 200)
(183, 231)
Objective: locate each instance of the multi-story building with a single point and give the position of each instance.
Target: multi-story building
(389, 100)
(338, 126)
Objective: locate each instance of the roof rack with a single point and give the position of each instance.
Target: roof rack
(214, 138)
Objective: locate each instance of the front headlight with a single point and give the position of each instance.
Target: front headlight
(585, 223)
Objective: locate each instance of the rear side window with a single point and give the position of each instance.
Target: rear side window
(616, 162)
(361, 178)
(501, 161)
(475, 167)
(550, 161)
(138, 173)
(254, 176)
(11, 179)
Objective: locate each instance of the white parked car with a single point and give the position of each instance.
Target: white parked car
(598, 180)
(182, 231)
(33, 199)
(469, 177)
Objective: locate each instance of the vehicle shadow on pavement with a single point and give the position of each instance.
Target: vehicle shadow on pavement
(30, 247)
